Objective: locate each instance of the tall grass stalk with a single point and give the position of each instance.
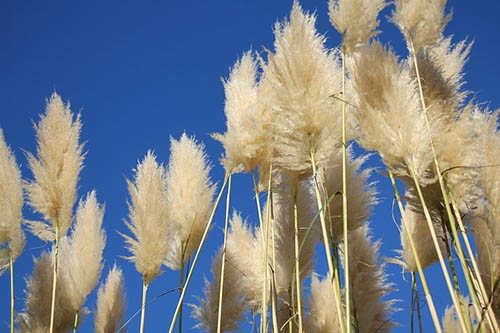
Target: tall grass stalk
(264, 231)
(181, 283)
(347, 288)
(444, 193)
(478, 286)
(143, 306)
(415, 304)
(270, 219)
(197, 254)
(75, 324)
(54, 278)
(12, 296)
(326, 241)
(444, 269)
(297, 263)
(223, 260)
(423, 280)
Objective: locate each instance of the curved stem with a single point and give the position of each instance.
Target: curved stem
(197, 254)
(264, 230)
(54, 280)
(423, 280)
(181, 282)
(441, 184)
(223, 260)
(435, 242)
(326, 242)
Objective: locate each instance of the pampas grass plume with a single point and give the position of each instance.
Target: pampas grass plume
(81, 252)
(12, 237)
(421, 21)
(190, 195)
(246, 143)
(55, 168)
(148, 218)
(297, 85)
(355, 20)
(111, 303)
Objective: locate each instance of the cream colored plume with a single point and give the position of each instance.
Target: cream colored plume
(246, 141)
(361, 195)
(284, 234)
(190, 195)
(81, 253)
(421, 21)
(243, 279)
(296, 89)
(323, 316)
(148, 218)
(55, 169)
(355, 20)
(111, 303)
(389, 111)
(12, 237)
(368, 284)
(36, 315)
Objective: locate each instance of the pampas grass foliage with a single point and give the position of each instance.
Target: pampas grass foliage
(304, 120)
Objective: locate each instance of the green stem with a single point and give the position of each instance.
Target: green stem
(12, 297)
(270, 219)
(181, 283)
(223, 260)
(347, 286)
(297, 262)
(195, 259)
(264, 230)
(428, 297)
(440, 178)
(326, 239)
(472, 275)
(143, 306)
(435, 242)
(75, 323)
(54, 280)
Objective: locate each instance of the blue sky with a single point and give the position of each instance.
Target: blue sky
(140, 72)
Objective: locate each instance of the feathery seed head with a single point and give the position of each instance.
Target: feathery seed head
(284, 233)
(36, 315)
(323, 317)
(148, 218)
(111, 303)
(355, 20)
(421, 236)
(441, 71)
(361, 195)
(80, 257)
(12, 238)
(55, 168)
(190, 195)
(234, 304)
(389, 114)
(246, 141)
(297, 84)
(420, 21)
(369, 283)
(243, 279)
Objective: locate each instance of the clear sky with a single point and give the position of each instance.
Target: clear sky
(142, 71)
